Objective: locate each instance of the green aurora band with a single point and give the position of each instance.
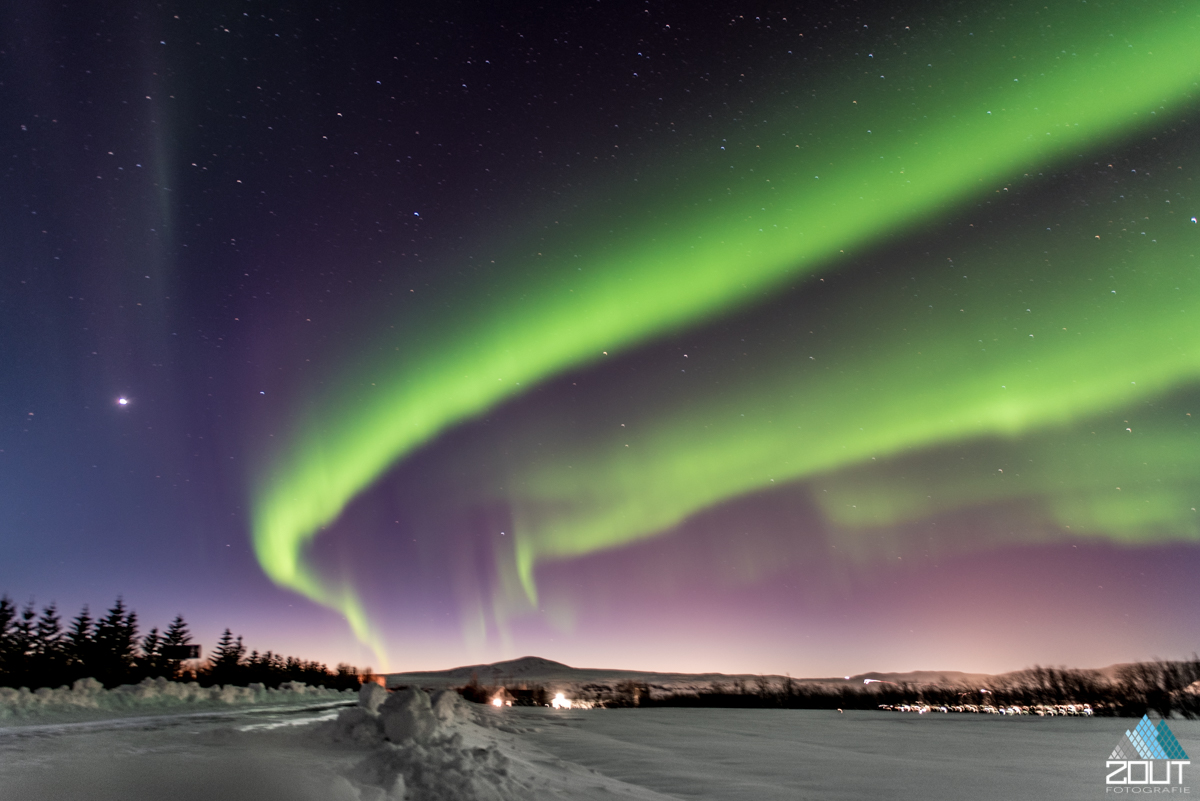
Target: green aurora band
(1129, 478)
(1098, 324)
(824, 177)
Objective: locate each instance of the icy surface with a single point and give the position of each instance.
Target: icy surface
(771, 755)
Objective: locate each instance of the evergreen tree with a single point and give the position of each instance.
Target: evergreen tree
(347, 677)
(226, 663)
(150, 659)
(116, 645)
(48, 635)
(21, 635)
(273, 670)
(8, 616)
(80, 647)
(37, 652)
(254, 668)
(292, 668)
(48, 657)
(177, 635)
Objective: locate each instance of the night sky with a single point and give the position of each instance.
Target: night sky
(772, 337)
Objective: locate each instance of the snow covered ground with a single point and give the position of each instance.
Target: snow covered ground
(413, 746)
(87, 699)
(440, 749)
(766, 755)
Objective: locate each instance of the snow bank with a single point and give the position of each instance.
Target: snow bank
(444, 769)
(371, 695)
(423, 748)
(445, 749)
(87, 699)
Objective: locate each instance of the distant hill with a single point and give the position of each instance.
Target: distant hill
(532, 670)
(525, 666)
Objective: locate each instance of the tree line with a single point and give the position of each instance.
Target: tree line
(1160, 686)
(38, 650)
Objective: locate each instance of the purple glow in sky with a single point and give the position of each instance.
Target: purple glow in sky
(234, 240)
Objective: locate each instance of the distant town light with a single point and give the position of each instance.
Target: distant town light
(561, 702)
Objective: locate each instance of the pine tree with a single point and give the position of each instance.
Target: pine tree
(177, 634)
(272, 669)
(347, 677)
(48, 635)
(48, 658)
(150, 659)
(226, 663)
(116, 645)
(292, 667)
(8, 615)
(129, 634)
(80, 647)
(21, 636)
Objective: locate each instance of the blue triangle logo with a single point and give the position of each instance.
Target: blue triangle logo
(1147, 741)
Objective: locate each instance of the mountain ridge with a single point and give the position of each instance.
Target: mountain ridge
(539, 670)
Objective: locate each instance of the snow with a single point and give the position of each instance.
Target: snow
(776, 754)
(440, 748)
(87, 699)
(370, 696)
(444, 750)
(419, 747)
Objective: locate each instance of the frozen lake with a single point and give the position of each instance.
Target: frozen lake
(792, 754)
(762, 755)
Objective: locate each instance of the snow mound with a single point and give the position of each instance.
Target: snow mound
(357, 725)
(449, 707)
(407, 716)
(87, 699)
(419, 749)
(370, 696)
(441, 769)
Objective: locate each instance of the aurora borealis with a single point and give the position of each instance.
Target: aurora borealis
(921, 288)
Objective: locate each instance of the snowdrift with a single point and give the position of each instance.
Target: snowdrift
(87, 699)
(423, 747)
